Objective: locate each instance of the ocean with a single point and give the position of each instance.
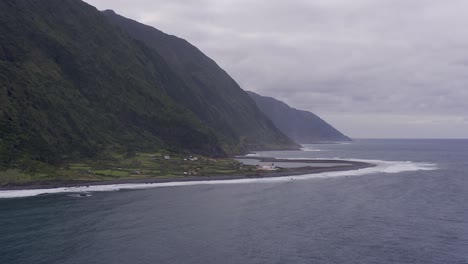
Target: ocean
(411, 208)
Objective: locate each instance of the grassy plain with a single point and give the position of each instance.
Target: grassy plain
(125, 167)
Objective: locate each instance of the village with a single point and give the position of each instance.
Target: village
(160, 165)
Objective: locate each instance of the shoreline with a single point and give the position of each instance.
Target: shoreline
(351, 165)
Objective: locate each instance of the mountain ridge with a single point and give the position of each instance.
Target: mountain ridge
(74, 85)
(301, 126)
(214, 96)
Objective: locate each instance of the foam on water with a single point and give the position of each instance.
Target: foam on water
(309, 149)
(381, 167)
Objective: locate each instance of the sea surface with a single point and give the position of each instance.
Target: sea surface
(411, 208)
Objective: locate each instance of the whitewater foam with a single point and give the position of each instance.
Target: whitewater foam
(252, 155)
(309, 149)
(381, 167)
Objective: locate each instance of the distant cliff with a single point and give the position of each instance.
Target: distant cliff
(301, 126)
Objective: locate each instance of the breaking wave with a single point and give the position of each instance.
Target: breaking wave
(381, 167)
(309, 149)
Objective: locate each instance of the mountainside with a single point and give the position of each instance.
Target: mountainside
(72, 85)
(212, 94)
(302, 126)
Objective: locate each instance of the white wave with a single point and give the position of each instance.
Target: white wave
(252, 155)
(381, 167)
(309, 149)
(398, 166)
(385, 166)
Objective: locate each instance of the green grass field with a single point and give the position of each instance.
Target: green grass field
(138, 166)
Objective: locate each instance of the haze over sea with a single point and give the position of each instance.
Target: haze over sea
(411, 208)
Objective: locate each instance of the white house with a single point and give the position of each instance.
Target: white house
(271, 167)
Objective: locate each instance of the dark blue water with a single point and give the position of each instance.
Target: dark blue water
(407, 217)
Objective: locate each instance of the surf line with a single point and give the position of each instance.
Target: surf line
(381, 167)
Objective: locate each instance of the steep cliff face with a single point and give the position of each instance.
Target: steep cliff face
(73, 84)
(209, 91)
(301, 126)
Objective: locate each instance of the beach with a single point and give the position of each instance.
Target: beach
(341, 165)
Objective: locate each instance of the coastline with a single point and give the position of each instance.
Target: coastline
(351, 165)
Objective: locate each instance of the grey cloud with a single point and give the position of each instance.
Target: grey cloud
(369, 59)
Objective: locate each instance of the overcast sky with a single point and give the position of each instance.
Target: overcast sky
(372, 68)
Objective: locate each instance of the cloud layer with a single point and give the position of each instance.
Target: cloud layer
(362, 64)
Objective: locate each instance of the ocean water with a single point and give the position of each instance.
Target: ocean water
(411, 208)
